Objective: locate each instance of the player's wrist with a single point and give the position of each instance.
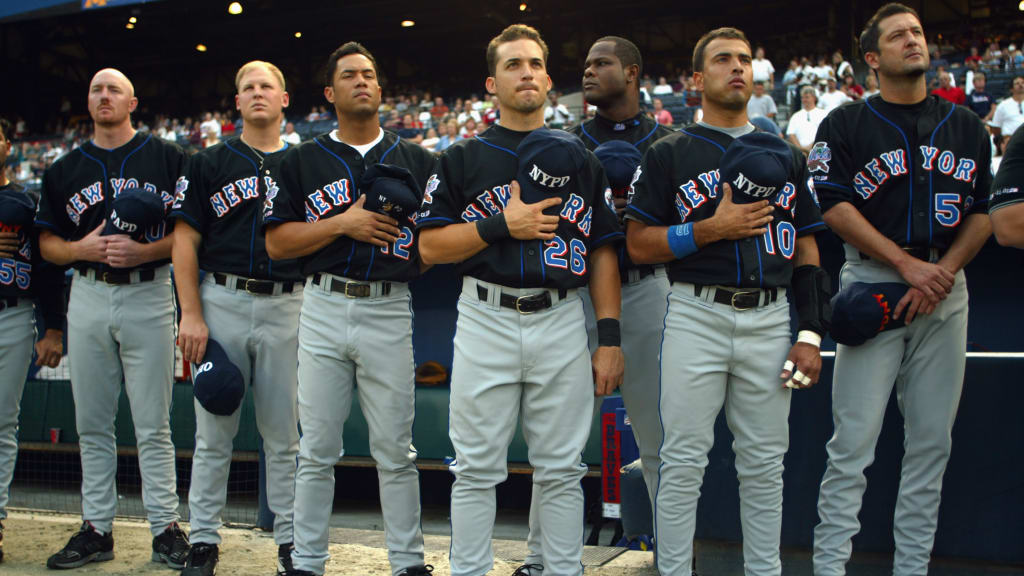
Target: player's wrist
(809, 337)
(681, 240)
(493, 228)
(609, 332)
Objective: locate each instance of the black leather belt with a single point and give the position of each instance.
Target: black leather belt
(116, 277)
(8, 303)
(740, 298)
(637, 274)
(353, 289)
(524, 304)
(253, 285)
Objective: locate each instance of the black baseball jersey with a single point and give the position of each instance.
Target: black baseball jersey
(640, 131)
(679, 183)
(472, 180)
(1008, 187)
(319, 179)
(222, 198)
(27, 275)
(78, 188)
(913, 171)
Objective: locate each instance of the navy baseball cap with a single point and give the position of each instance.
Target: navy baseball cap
(390, 190)
(132, 211)
(550, 162)
(620, 160)
(861, 310)
(217, 383)
(756, 166)
(16, 210)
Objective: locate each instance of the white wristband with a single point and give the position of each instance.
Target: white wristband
(809, 337)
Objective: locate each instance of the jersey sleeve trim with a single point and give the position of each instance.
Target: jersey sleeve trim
(50, 227)
(810, 227)
(183, 216)
(645, 216)
(833, 185)
(995, 207)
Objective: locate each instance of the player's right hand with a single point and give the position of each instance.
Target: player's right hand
(366, 226)
(93, 247)
(914, 302)
(8, 244)
(192, 336)
(738, 221)
(934, 281)
(528, 221)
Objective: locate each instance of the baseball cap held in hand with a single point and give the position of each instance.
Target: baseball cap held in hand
(217, 383)
(550, 162)
(755, 166)
(862, 310)
(133, 210)
(390, 190)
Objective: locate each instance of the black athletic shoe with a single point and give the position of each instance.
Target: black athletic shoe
(86, 546)
(284, 558)
(418, 571)
(201, 560)
(294, 572)
(528, 570)
(171, 547)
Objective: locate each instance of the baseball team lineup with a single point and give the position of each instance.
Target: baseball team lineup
(617, 255)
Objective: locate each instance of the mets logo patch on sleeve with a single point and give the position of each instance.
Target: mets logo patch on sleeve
(819, 157)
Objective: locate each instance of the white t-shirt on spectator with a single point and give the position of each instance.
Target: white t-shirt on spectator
(660, 90)
(763, 70)
(843, 68)
(1008, 116)
(472, 114)
(560, 114)
(292, 138)
(761, 106)
(804, 124)
(210, 127)
(824, 72)
(829, 101)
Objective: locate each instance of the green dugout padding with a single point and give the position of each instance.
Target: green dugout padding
(48, 404)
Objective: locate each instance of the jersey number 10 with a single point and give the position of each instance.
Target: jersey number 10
(784, 242)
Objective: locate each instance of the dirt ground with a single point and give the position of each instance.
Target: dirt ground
(29, 539)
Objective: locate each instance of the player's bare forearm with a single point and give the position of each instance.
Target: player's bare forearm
(56, 249)
(450, 244)
(970, 237)
(184, 256)
(850, 225)
(153, 251)
(647, 244)
(605, 287)
(807, 251)
(296, 239)
(1008, 225)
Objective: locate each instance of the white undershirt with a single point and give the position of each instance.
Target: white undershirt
(362, 148)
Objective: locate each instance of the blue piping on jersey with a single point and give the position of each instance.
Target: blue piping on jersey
(649, 134)
(503, 149)
(345, 164)
(640, 141)
(434, 219)
(587, 134)
(809, 226)
(349, 263)
(738, 275)
(186, 217)
(760, 271)
(645, 215)
(910, 166)
(388, 151)
(373, 252)
(543, 267)
(252, 234)
(831, 185)
(931, 177)
(120, 174)
(608, 235)
(522, 266)
(717, 145)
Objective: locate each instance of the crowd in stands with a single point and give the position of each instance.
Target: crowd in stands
(987, 77)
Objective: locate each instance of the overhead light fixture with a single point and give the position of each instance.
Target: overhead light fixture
(133, 20)
(298, 34)
(130, 26)
(201, 47)
(235, 8)
(522, 7)
(1021, 6)
(408, 23)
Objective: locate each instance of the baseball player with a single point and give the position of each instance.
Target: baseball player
(1005, 207)
(246, 302)
(903, 179)
(356, 318)
(611, 82)
(520, 342)
(120, 316)
(736, 246)
(24, 277)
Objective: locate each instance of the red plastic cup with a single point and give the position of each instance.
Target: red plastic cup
(54, 435)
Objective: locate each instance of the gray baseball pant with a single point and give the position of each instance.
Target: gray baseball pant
(17, 336)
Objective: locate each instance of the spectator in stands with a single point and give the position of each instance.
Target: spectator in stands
(823, 71)
(993, 58)
(662, 88)
(762, 68)
(557, 115)
(765, 124)
(439, 109)
(468, 113)
(430, 140)
(661, 116)
(851, 88)
(691, 96)
(761, 103)
(290, 135)
(449, 136)
(831, 98)
(803, 124)
(973, 57)
(645, 93)
(210, 125)
(840, 64)
(469, 129)
(411, 127)
(393, 121)
(972, 69)
(1014, 58)
(492, 112)
(870, 84)
(789, 80)
(1009, 113)
(947, 91)
(698, 115)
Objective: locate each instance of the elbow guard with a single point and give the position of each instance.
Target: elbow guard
(813, 296)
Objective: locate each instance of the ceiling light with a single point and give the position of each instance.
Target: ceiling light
(201, 47)
(408, 23)
(522, 7)
(298, 34)
(133, 20)
(130, 26)
(235, 8)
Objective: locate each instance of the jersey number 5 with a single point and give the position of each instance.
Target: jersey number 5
(15, 271)
(947, 209)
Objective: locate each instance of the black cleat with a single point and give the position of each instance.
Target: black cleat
(528, 570)
(284, 558)
(171, 547)
(294, 572)
(201, 560)
(418, 571)
(87, 545)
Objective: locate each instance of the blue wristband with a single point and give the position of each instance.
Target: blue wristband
(681, 241)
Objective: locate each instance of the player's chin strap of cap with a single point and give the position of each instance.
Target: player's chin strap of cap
(812, 291)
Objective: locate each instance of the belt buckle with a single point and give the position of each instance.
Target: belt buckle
(741, 294)
(356, 286)
(251, 282)
(519, 302)
(105, 277)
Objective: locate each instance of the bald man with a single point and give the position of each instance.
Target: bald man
(120, 315)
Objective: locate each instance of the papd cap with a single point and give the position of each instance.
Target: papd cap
(390, 190)
(620, 160)
(16, 210)
(218, 383)
(550, 162)
(755, 165)
(132, 211)
(861, 310)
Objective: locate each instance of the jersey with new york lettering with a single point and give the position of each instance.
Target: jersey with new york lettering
(472, 181)
(222, 198)
(913, 171)
(678, 182)
(26, 274)
(640, 131)
(320, 179)
(79, 187)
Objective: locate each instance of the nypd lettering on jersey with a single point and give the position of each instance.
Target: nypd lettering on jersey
(913, 173)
